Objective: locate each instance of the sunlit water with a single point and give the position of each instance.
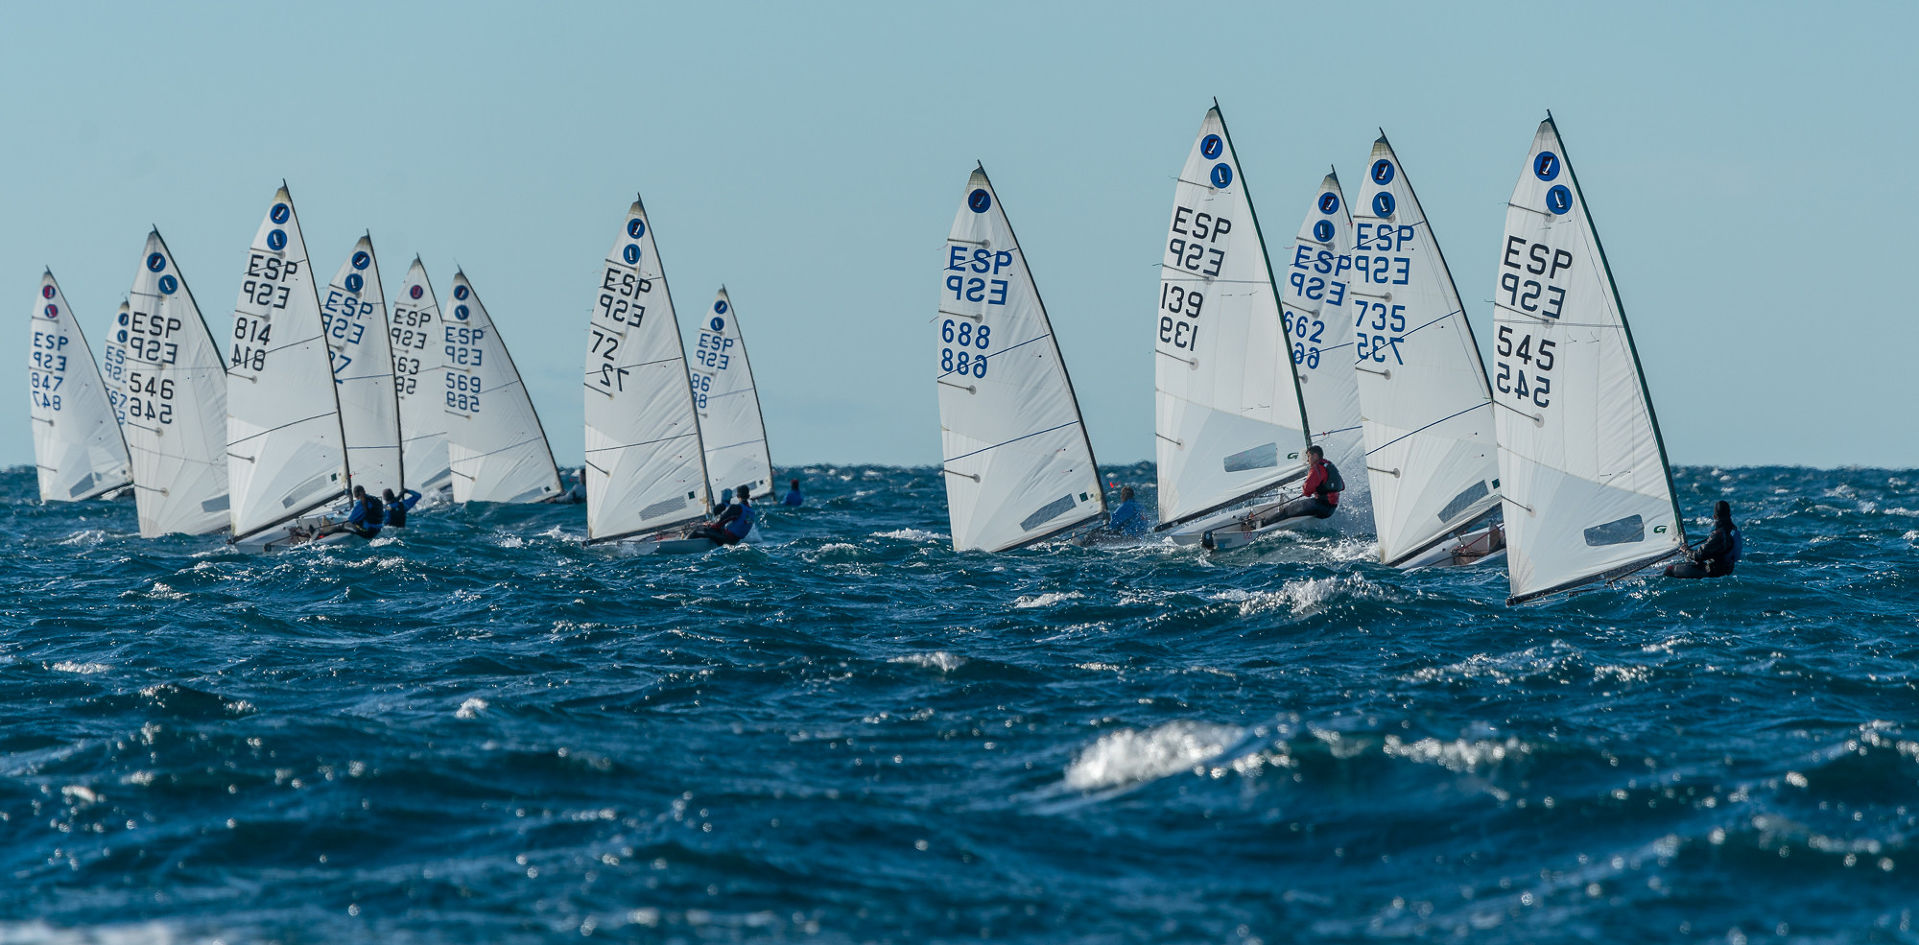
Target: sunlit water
(485, 732)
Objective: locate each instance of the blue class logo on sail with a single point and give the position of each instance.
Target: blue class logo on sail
(719, 307)
(277, 240)
(979, 200)
(361, 260)
(1546, 166)
(459, 312)
(280, 213)
(354, 283)
(1222, 175)
(1559, 199)
(1382, 172)
(459, 292)
(631, 254)
(169, 285)
(1211, 146)
(415, 292)
(156, 262)
(1328, 203)
(46, 291)
(635, 227)
(717, 324)
(53, 311)
(1383, 204)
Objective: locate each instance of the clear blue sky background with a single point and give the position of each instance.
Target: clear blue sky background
(1746, 164)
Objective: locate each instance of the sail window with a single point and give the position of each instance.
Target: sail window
(1047, 513)
(1465, 500)
(1630, 529)
(1264, 456)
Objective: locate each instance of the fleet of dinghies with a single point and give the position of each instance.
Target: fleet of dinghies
(1353, 339)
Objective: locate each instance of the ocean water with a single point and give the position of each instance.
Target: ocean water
(485, 732)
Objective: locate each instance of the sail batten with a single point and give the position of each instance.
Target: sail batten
(497, 450)
(175, 403)
(642, 424)
(1229, 417)
(1587, 488)
(1019, 468)
(1426, 409)
(79, 450)
(289, 419)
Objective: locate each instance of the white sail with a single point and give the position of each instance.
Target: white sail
(419, 377)
(176, 424)
(644, 465)
(353, 308)
(1227, 414)
(1315, 292)
(113, 364)
(286, 452)
(1424, 404)
(1587, 491)
(77, 445)
(495, 445)
(729, 405)
(1018, 465)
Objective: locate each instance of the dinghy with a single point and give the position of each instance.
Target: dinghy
(176, 388)
(1018, 465)
(1425, 406)
(1316, 303)
(113, 366)
(77, 446)
(286, 450)
(1587, 491)
(1228, 420)
(419, 378)
(496, 448)
(645, 467)
(353, 308)
(728, 403)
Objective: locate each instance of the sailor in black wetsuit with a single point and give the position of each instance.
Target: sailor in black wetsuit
(731, 523)
(398, 506)
(1720, 552)
(1320, 498)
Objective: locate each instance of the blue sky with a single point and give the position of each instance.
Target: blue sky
(1742, 162)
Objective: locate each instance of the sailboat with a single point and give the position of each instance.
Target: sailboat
(353, 308)
(496, 448)
(1228, 418)
(728, 403)
(1426, 409)
(77, 446)
(176, 426)
(1317, 305)
(286, 448)
(1018, 465)
(645, 467)
(1587, 490)
(419, 378)
(113, 364)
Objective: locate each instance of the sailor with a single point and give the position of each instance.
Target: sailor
(793, 496)
(368, 515)
(731, 524)
(1720, 552)
(396, 508)
(1126, 518)
(1321, 492)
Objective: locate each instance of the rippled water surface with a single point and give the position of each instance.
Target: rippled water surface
(484, 731)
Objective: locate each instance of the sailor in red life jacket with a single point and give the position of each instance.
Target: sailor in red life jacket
(1321, 491)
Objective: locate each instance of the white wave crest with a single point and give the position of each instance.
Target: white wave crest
(1046, 600)
(1132, 756)
(911, 534)
(939, 659)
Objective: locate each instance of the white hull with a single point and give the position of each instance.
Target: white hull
(1457, 552)
(1238, 527)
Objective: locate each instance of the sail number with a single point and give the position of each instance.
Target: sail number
(149, 338)
(463, 391)
(1379, 266)
(620, 289)
(408, 333)
(1539, 297)
(1191, 247)
(977, 288)
(1377, 331)
(149, 397)
(1180, 328)
(713, 350)
(48, 369)
(1530, 381)
(963, 335)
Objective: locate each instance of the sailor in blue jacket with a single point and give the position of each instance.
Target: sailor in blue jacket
(793, 496)
(397, 507)
(733, 523)
(1126, 518)
(368, 514)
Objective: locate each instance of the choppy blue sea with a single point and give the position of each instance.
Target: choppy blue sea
(485, 732)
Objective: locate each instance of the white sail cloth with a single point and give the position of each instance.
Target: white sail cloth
(286, 452)
(1018, 466)
(419, 378)
(1588, 494)
(1425, 408)
(176, 406)
(728, 402)
(1228, 421)
(495, 446)
(645, 467)
(353, 307)
(1315, 294)
(77, 446)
